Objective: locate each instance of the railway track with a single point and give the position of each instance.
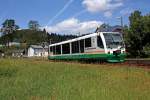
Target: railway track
(129, 62)
(137, 62)
(141, 62)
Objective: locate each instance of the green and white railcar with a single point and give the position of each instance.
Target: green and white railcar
(106, 46)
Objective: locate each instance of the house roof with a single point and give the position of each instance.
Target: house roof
(38, 46)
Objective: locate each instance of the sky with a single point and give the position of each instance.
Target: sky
(70, 16)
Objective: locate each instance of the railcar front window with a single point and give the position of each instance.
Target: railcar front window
(113, 40)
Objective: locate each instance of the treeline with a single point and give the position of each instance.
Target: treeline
(137, 35)
(31, 37)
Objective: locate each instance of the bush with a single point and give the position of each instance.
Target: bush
(146, 50)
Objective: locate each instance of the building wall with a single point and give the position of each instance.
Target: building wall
(32, 52)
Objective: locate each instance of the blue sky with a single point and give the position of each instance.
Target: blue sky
(70, 16)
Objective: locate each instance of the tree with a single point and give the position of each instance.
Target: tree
(33, 25)
(146, 37)
(8, 27)
(138, 34)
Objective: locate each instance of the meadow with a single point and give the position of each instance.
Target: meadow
(30, 79)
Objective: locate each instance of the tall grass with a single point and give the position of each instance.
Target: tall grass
(44, 80)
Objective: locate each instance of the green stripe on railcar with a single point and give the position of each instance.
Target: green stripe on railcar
(107, 57)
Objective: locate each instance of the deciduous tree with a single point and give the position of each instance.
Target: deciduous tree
(33, 25)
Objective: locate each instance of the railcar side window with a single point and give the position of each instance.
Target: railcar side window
(54, 50)
(100, 42)
(82, 46)
(58, 49)
(66, 48)
(75, 47)
(88, 42)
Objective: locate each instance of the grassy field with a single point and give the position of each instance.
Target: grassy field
(44, 80)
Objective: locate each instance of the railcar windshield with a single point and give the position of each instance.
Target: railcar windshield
(114, 40)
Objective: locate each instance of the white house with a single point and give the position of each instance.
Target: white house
(37, 51)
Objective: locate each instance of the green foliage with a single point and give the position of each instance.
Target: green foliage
(5, 39)
(55, 38)
(28, 79)
(30, 36)
(34, 37)
(138, 34)
(9, 26)
(33, 25)
(147, 50)
(9, 50)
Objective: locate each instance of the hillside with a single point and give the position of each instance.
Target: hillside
(33, 37)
